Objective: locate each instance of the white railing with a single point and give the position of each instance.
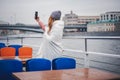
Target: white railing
(87, 53)
(86, 38)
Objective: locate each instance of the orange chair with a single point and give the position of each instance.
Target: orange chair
(7, 52)
(25, 52)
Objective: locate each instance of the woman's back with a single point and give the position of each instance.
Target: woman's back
(51, 46)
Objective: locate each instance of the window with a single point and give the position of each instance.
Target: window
(101, 18)
(104, 17)
(107, 17)
(111, 17)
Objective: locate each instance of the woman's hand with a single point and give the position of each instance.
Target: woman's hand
(37, 19)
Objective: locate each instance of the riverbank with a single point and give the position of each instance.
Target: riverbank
(92, 34)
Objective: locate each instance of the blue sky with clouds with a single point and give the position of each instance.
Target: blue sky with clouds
(22, 11)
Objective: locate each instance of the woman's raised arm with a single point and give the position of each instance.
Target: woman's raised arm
(40, 23)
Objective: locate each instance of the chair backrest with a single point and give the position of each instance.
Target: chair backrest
(16, 48)
(2, 45)
(38, 64)
(7, 51)
(25, 52)
(8, 66)
(63, 63)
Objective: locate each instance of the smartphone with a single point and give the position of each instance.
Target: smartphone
(36, 14)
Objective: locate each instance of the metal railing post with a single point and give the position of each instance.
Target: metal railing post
(7, 41)
(85, 44)
(22, 41)
(86, 58)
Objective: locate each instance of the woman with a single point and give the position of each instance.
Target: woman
(52, 38)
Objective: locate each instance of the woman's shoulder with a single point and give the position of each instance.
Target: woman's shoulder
(58, 23)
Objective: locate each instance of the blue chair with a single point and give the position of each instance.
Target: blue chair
(8, 66)
(16, 48)
(63, 63)
(38, 64)
(2, 45)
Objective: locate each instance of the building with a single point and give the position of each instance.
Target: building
(73, 20)
(70, 19)
(7, 31)
(4, 23)
(106, 26)
(114, 16)
(109, 22)
(87, 19)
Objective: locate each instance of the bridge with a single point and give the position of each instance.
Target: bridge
(36, 28)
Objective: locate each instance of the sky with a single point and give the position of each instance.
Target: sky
(22, 11)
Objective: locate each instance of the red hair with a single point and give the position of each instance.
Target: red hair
(50, 23)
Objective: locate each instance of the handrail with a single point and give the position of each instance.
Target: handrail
(92, 37)
(66, 37)
(94, 53)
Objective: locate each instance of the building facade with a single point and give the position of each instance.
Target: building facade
(73, 20)
(110, 16)
(109, 22)
(70, 19)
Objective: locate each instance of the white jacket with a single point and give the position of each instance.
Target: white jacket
(51, 46)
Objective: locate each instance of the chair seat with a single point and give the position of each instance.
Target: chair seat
(25, 52)
(38, 64)
(7, 51)
(2, 45)
(63, 63)
(7, 66)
